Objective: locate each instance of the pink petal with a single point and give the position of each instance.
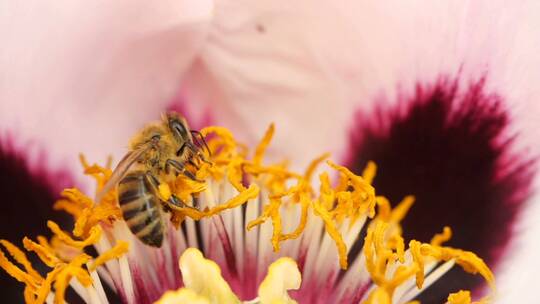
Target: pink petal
(260, 66)
(304, 65)
(83, 76)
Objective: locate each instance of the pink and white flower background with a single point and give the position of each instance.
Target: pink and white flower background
(84, 76)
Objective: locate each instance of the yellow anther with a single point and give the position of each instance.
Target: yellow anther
(327, 194)
(164, 191)
(74, 195)
(61, 249)
(184, 187)
(18, 273)
(418, 258)
(384, 209)
(363, 192)
(46, 254)
(270, 211)
(261, 148)
(469, 261)
(64, 276)
(352, 198)
(460, 297)
(401, 209)
(114, 253)
(369, 172)
(94, 235)
(333, 232)
(313, 166)
(46, 285)
(21, 258)
(68, 206)
(305, 204)
(225, 144)
(396, 242)
(234, 173)
(242, 198)
(443, 237)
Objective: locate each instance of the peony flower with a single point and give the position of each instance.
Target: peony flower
(301, 235)
(347, 85)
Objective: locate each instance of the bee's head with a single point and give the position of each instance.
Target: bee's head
(178, 127)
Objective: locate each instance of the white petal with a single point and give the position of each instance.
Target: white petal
(83, 76)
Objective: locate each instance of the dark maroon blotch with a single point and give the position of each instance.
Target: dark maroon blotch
(451, 148)
(27, 194)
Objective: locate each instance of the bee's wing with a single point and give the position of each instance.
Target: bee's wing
(127, 161)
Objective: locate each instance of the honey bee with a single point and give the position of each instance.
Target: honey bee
(157, 151)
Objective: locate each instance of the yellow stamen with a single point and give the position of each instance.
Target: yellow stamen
(305, 203)
(384, 209)
(46, 254)
(401, 209)
(261, 148)
(225, 145)
(45, 287)
(100, 174)
(18, 273)
(363, 192)
(418, 258)
(333, 232)
(327, 194)
(75, 199)
(243, 197)
(21, 258)
(271, 210)
(184, 187)
(443, 237)
(234, 174)
(164, 191)
(460, 297)
(313, 166)
(95, 234)
(64, 276)
(116, 252)
(369, 172)
(353, 198)
(469, 261)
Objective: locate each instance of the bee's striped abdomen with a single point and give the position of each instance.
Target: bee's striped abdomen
(140, 208)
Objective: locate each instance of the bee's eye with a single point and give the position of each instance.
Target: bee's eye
(179, 129)
(156, 137)
(181, 150)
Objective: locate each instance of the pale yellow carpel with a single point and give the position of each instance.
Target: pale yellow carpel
(283, 275)
(203, 276)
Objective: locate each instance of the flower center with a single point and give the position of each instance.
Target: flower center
(231, 183)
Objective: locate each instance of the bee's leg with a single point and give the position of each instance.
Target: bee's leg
(180, 168)
(174, 201)
(151, 181)
(173, 164)
(193, 164)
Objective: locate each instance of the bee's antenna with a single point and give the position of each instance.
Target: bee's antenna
(202, 140)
